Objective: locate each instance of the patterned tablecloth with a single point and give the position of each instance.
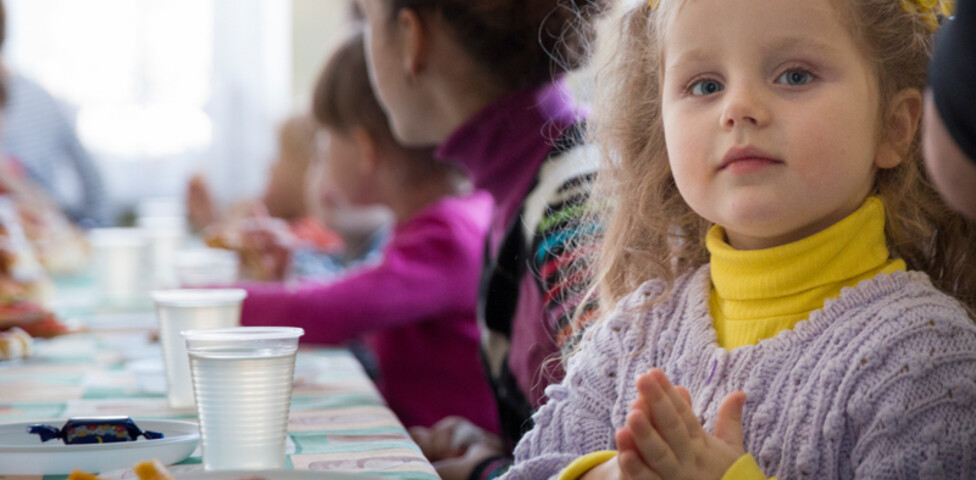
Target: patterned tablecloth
(338, 420)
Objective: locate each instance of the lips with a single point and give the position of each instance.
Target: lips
(746, 159)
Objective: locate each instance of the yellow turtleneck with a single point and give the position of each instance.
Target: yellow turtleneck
(757, 293)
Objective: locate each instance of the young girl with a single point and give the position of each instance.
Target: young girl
(482, 79)
(416, 308)
(765, 173)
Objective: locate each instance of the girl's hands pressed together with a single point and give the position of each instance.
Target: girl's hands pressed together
(664, 440)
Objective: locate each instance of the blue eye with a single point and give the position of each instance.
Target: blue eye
(795, 77)
(706, 87)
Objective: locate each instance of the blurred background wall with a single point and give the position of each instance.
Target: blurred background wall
(161, 89)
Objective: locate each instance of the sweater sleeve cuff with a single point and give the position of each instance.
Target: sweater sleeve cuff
(583, 464)
(745, 468)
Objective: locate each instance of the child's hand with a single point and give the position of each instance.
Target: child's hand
(266, 248)
(200, 208)
(451, 437)
(663, 439)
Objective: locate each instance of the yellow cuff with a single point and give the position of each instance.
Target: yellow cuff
(583, 464)
(745, 468)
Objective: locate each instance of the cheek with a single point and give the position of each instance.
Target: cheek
(337, 173)
(687, 154)
(380, 62)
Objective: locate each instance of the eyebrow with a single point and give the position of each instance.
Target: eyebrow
(785, 43)
(800, 43)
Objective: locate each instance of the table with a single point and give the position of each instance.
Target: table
(338, 420)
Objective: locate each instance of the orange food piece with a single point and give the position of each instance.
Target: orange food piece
(152, 470)
(83, 475)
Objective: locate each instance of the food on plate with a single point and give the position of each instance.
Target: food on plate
(14, 344)
(60, 246)
(21, 280)
(93, 430)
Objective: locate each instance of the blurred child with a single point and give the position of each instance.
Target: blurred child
(318, 242)
(773, 244)
(42, 137)
(283, 195)
(416, 308)
(483, 80)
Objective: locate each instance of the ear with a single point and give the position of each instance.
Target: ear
(368, 150)
(904, 112)
(415, 39)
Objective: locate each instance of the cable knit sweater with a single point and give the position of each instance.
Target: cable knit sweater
(877, 384)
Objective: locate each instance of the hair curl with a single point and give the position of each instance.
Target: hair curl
(652, 233)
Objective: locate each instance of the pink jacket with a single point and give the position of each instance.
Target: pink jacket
(416, 309)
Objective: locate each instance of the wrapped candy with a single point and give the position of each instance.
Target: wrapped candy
(93, 430)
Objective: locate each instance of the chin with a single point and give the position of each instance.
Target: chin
(760, 215)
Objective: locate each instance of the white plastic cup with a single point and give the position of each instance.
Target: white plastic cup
(186, 309)
(242, 379)
(166, 237)
(119, 259)
(207, 267)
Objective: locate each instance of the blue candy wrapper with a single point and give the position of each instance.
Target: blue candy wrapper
(93, 430)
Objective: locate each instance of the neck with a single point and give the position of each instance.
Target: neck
(758, 293)
(458, 89)
(455, 105)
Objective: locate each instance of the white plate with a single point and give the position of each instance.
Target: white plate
(22, 453)
(270, 475)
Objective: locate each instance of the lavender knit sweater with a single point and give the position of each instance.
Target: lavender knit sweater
(877, 384)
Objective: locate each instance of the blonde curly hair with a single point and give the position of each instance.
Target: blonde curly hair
(652, 233)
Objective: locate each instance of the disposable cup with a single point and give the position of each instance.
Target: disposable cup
(119, 259)
(186, 309)
(206, 267)
(242, 380)
(166, 237)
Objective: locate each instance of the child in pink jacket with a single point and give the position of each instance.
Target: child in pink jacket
(416, 308)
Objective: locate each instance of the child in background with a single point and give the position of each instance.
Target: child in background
(283, 196)
(318, 241)
(483, 80)
(364, 229)
(415, 309)
(763, 166)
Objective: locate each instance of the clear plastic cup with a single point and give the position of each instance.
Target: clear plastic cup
(119, 257)
(242, 379)
(186, 309)
(207, 266)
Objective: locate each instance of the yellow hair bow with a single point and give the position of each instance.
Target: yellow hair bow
(929, 10)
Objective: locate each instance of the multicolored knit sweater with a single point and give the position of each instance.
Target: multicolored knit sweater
(526, 150)
(880, 383)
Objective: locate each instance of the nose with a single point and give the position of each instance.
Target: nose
(744, 106)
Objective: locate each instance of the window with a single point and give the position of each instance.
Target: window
(160, 89)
